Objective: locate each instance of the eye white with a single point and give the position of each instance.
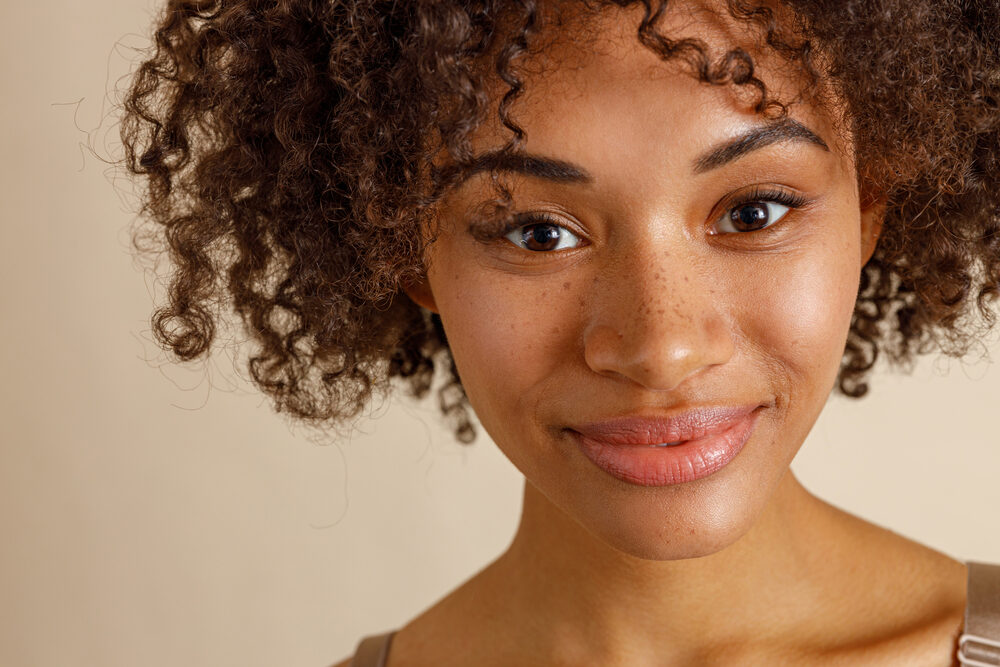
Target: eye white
(521, 237)
(775, 212)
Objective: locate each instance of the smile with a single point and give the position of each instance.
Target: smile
(633, 449)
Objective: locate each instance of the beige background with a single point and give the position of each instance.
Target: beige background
(159, 515)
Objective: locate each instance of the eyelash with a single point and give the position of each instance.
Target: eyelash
(490, 231)
(764, 195)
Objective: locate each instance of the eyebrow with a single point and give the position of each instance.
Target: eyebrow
(559, 171)
(549, 169)
(755, 139)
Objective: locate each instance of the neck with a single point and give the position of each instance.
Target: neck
(589, 600)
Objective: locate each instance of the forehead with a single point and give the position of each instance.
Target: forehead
(595, 95)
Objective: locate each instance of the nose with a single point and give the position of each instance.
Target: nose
(656, 322)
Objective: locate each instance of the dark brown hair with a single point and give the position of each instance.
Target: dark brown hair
(284, 145)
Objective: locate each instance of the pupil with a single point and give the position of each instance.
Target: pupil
(752, 216)
(542, 237)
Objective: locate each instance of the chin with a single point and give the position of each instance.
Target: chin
(691, 521)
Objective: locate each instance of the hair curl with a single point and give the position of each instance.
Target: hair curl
(284, 149)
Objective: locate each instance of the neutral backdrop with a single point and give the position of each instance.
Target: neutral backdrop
(153, 514)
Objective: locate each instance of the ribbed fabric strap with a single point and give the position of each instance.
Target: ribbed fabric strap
(372, 651)
(979, 645)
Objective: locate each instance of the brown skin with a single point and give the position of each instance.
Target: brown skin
(654, 312)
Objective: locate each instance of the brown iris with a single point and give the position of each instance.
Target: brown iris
(749, 217)
(540, 237)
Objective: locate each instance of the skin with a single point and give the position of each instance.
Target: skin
(659, 308)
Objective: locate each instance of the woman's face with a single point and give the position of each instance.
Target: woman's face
(698, 259)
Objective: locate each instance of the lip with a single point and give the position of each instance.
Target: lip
(709, 438)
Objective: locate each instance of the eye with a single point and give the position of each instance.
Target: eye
(752, 216)
(542, 236)
(757, 209)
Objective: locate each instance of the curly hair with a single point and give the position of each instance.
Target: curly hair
(284, 150)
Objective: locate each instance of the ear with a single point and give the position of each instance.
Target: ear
(419, 291)
(872, 217)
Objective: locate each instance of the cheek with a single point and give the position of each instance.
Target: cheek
(507, 335)
(802, 312)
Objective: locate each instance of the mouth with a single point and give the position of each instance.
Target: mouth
(662, 451)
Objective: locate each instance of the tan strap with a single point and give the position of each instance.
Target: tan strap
(979, 645)
(372, 651)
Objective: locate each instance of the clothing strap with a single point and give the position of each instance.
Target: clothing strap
(372, 651)
(979, 645)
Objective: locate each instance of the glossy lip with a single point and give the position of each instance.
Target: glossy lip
(708, 439)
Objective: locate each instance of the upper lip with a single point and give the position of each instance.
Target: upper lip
(653, 430)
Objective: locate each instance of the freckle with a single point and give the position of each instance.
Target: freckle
(659, 311)
(565, 286)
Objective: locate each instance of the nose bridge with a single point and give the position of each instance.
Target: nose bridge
(657, 318)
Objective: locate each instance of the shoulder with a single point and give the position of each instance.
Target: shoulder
(903, 601)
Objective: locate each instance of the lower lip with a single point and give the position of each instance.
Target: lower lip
(645, 465)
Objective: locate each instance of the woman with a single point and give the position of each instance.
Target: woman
(644, 241)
